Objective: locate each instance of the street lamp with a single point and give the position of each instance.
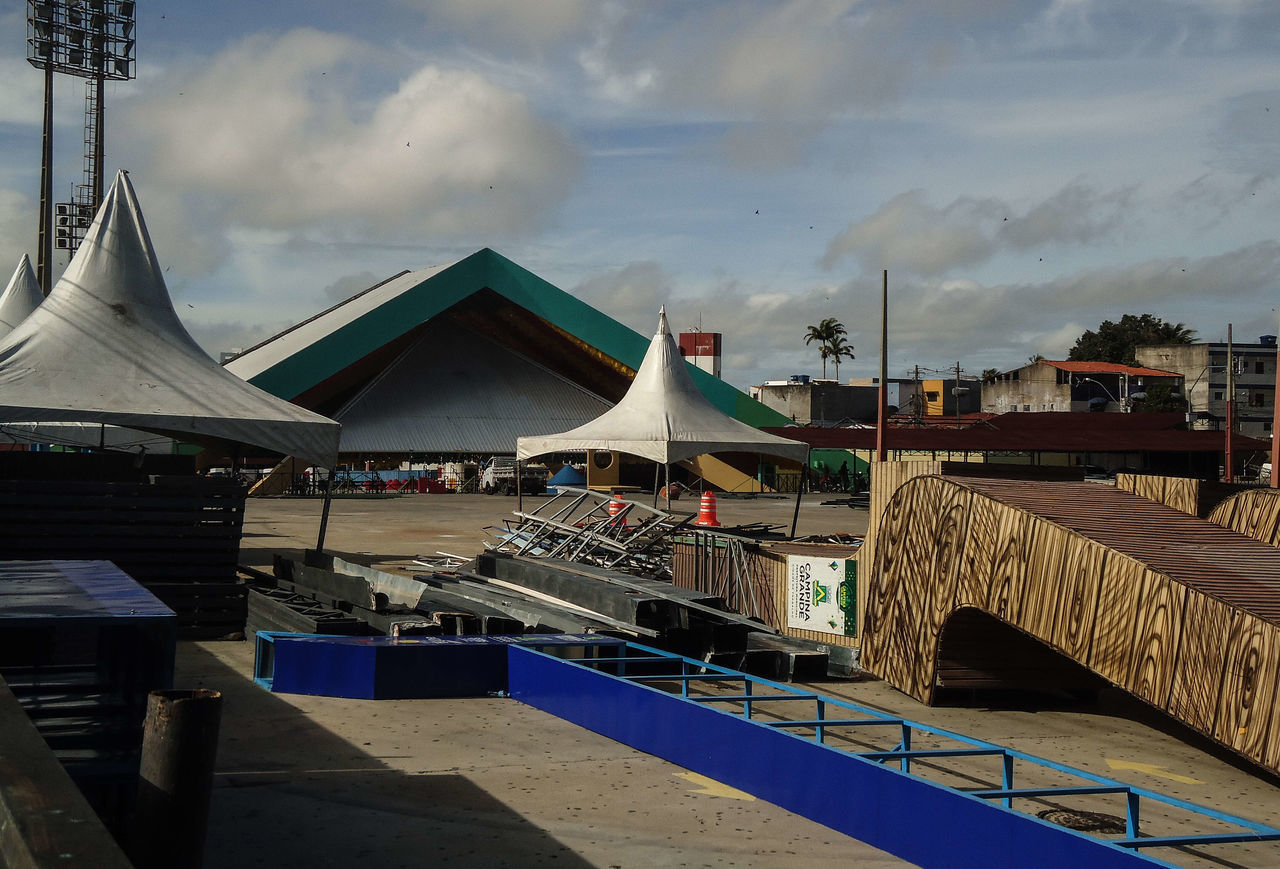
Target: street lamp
(1129, 398)
(1191, 389)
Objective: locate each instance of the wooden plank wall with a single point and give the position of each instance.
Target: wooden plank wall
(1180, 493)
(177, 536)
(942, 549)
(1254, 512)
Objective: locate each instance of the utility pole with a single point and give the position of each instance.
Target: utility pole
(882, 399)
(1275, 428)
(917, 398)
(956, 393)
(1228, 475)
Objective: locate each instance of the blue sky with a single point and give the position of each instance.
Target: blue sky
(1024, 170)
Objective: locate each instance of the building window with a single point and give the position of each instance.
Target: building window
(1217, 396)
(931, 396)
(1026, 408)
(1266, 426)
(1257, 399)
(1013, 408)
(1259, 367)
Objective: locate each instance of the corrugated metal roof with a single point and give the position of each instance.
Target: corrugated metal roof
(456, 391)
(264, 356)
(1042, 432)
(313, 352)
(1231, 567)
(1110, 368)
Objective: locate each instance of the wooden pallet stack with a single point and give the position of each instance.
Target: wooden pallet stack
(177, 536)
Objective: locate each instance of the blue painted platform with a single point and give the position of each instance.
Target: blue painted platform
(811, 754)
(395, 668)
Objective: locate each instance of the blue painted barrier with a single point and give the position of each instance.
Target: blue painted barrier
(915, 819)
(392, 668)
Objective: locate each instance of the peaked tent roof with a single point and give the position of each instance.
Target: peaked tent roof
(664, 418)
(310, 360)
(106, 346)
(20, 298)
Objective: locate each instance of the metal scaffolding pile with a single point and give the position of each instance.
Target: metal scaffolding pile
(593, 528)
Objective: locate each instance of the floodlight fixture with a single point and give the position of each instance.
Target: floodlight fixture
(86, 38)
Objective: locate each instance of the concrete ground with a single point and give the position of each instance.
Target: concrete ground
(490, 782)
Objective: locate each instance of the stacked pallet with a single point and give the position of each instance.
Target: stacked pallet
(179, 537)
(513, 595)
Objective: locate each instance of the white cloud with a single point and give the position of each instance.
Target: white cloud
(539, 25)
(908, 233)
(18, 231)
(271, 131)
(631, 294)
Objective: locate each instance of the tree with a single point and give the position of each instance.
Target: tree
(990, 374)
(1160, 399)
(836, 348)
(1032, 360)
(823, 332)
(1116, 342)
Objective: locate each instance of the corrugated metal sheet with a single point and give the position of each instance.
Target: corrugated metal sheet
(1037, 432)
(1231, 567)
(262, 357)
(456, 391)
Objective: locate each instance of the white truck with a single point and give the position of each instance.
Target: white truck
(499, 475)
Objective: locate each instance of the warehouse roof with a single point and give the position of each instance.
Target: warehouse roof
(1042, 432)
(488, 306)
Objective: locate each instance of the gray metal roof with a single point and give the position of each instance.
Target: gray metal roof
(456, 391)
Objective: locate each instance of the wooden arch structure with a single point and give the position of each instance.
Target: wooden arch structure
(1180, 612)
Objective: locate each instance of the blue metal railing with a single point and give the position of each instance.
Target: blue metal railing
(833, 718)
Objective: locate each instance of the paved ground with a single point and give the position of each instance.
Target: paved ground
(390, 532)
(308, 780)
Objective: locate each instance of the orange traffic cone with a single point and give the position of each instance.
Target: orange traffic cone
(615, 508)
(707, 511)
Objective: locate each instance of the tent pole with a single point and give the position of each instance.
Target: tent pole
(795, 517)
(668, 467)
(519, 493)
(657, 469)
(324, 510)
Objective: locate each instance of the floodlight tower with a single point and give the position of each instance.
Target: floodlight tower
(91, 39)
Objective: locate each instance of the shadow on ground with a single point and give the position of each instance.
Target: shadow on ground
(288, 792)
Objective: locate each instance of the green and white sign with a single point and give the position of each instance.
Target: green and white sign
(822, 594)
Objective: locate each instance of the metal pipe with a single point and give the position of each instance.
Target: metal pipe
(44, 238)
(882, 396)
(795, 517)
(324, 510)
(179, 746)
(1228, 474)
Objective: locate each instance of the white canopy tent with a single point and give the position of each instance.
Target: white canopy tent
(664, 418)
(20, 298)
(107, 347)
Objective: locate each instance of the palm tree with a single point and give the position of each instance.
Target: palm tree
(836, 348)
(823, 332)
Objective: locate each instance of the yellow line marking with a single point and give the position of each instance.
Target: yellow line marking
(713, 788)
(1152, 769)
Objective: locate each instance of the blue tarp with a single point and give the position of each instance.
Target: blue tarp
(566, 476)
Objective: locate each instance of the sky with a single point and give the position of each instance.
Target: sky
(1023, 169)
